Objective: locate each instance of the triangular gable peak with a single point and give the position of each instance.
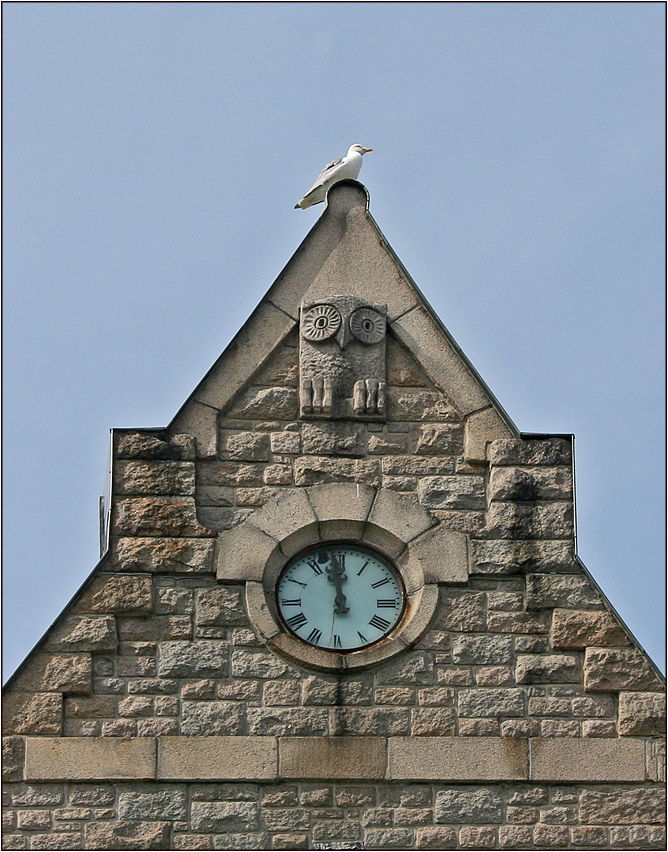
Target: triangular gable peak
(346, 253)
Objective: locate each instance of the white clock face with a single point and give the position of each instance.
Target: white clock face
(340, 597)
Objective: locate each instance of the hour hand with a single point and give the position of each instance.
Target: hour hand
(336, 574)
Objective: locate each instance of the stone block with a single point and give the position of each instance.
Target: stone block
(341, 509)
(125, 594)
(219, 607)
(530, 483)
(37, 713)
(417, 466)
(140, 478)
(436, 837)
(440, 555)
(547, 668)
(433, 721)
(89, 758)
(13, 755)
(439, 439)
(223, 817)
(334, 758)
(530, 520)
(257, 662)
(395, 519)
(619, 669)
(631, 806)
(642, 714)
(457, 759)
(591, 760)
(229, 474)
(153, 801)
(83, 633)
(415, 667)
(56, 673)
(389, 444)
(483, 702)
(461, 610)
(334, 439)
(482, 650)
(388, 838)
(153, 446)
(128, 835)
(156, 516)
(573, 591)
(287, 721)
(581, 628)
(242, 553)
(285, 443)
(319, 470)
(499, 621)
(200, 658)
(479, 806)
(287, 516)
(265, 404)
(221, 518)
(655, 756)
(277, 474)
(212, 758)
(244, 446)
(530, 451)
(164, 555)
(499, 556)
(458, 491)
(212, 718)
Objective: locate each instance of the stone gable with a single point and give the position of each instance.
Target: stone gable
(169, 707)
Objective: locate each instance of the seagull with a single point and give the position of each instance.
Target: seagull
(346, 167)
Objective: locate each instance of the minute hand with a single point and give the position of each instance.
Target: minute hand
(336, 574)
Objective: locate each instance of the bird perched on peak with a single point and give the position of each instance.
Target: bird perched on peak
(347, 167)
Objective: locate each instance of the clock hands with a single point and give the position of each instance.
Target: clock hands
(336, 574)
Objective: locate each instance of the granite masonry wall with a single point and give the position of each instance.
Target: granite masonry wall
(152, 716)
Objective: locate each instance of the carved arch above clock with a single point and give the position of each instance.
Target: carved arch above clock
(396, 526)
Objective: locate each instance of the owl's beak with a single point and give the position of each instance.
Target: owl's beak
(344, 335)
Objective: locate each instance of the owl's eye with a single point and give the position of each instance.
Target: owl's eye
(367, 325)
(320, 322)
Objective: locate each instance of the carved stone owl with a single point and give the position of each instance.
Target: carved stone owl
(342, 359)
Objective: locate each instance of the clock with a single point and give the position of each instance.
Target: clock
(340, 596)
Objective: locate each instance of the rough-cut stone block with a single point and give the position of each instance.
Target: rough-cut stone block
(13, 754)
(442, 439)
(285, 443)
(333, 439)
(396, 442)
(479, 805)
(221, 518)
(84, 633)
(223, 817)
(617, 669)
(56, 673)
(122, 594)
(217, 758)
(528, 484)
(573, 591)
(127, 835)
(436, 837)
(458, 491)
(639, 806)
(581, 628)
(415, 405)
(318, 470)
(548, 668)
(265, 404)
(242, 553)
(287, 515)
(457, 759)
(530, 520)
(32, 713)
(539, 451)
(341, 508)
(164, 555)
(589, 760)
(219, 607)
(157, 516)
(138, 478)
(642, 714)
(482, 650)
(477, 703)
(332, 757)
(210, 718)
(153, 446)
(481, 428)
(202, 658)
(499, 556)
(153, 801)
(244, 446)
(461, 610)
(417, 466)
(229, 474)
(89, 758)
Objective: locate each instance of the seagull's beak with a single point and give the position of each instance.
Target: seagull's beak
(366, 150)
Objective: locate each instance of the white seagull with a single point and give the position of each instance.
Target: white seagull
(347, 167)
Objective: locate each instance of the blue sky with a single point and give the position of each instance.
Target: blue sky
(153, 153)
